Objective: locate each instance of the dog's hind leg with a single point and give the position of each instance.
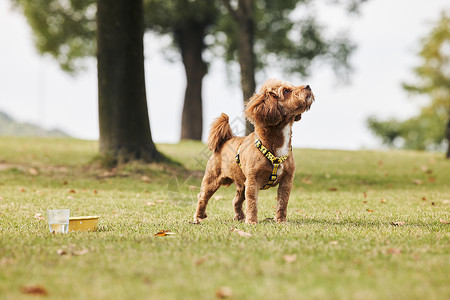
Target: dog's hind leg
(209, 186)
(238, 201)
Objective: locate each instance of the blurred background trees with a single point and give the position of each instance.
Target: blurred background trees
(430, 129)
(256, 33)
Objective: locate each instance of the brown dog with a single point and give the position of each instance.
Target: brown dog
(261, 160)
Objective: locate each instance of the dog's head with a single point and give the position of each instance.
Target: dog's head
(278, 101)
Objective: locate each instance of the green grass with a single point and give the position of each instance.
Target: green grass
(339, 227)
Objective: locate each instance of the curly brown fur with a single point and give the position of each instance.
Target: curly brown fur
(272, 110)
(219, 133)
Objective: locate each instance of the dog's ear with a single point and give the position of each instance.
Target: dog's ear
(263, 108)
(298, 117)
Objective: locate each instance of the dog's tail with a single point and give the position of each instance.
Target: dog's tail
(219, 133)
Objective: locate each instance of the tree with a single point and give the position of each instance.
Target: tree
(124, 125)
(259, 30)
(431, 127)
(188, 23)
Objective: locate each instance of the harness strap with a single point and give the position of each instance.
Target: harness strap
(276, 161)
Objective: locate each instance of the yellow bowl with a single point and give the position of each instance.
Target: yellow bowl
(88, 223)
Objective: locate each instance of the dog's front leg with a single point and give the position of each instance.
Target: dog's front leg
(284, 190)
(251, 209)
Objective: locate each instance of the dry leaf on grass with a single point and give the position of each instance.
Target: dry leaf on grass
(417, 181)
(398, 223)
(224, 292)
(290, 258)
(39, 217)
(72, 192)
(307, 180)
(444, 221)
(240, 232)
(150, 203)
(333, 189)
(164, 232)
(369, 210)
(146, 178)
(33, 171)
(34, 290)
(394, 251)
(199, 261)
(80, 252)
(382, 200)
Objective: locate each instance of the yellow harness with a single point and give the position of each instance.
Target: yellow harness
(276, 161)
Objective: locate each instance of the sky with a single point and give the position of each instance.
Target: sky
(387, 33)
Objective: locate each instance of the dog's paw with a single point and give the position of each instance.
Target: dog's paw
(239, 217)
(251, 221)
(280, 220)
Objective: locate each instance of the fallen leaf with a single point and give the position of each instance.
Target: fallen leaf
(61, 252)
(369, 210)
(22, 190)
(444, 221)
(394, 251)
(364, 201)
(164, 233)
(95, 192)
(433, 204)
(39, 217)
(424, 198)
(72, 192)
(150, 203)
(290, 258)
(417, 181)
(146, 178)
(224, 292)
(200, 261)
(333, 189)
(33, 171)
(241, 233)
(80, 252)
(382, 200)
(398, 223)
(307, 180)
(34, 290)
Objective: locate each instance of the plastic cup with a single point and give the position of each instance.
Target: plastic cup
(58, 220)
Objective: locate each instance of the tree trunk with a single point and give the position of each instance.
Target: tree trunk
(244, 16)
(123, 114)
(190, 40)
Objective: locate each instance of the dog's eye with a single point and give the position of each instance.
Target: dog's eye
(287, 91)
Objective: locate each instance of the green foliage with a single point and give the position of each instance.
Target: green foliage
(64, 29)
(340, 239)
(288, 44)
(427, 130)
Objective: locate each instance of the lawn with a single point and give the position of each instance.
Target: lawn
(361, 225)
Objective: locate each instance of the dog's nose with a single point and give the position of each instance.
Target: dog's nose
(307, 88)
